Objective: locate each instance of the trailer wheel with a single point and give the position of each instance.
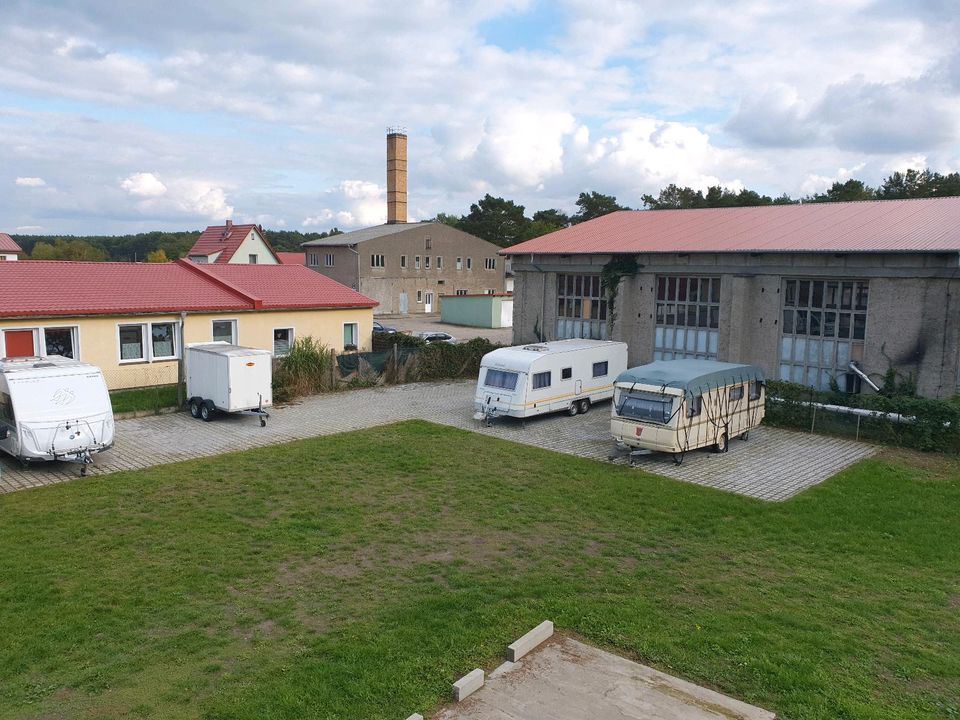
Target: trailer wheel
(677, 458)
(573, 409)
(584, 406)
(263, 422)
(721, 446)
(206, 411)
(195, 407)
(745, 435)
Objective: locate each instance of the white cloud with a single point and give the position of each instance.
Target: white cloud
(29, 228)
(144, 185)
(355, 203)
(33, 182)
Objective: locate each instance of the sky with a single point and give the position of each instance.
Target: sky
(123, 117)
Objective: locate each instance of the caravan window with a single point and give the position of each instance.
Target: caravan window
(646, 407)
(755, 388)
(694, 406)
(500, 379)
(736, 392)
(566, 373)
(541, 380)
(600, 368)
(6, 409)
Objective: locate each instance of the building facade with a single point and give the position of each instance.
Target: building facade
(9, 250)
(801, 291)
(133, 320)
(234, 245)
(406, 267)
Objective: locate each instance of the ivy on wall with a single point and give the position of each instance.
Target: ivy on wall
(619, 267)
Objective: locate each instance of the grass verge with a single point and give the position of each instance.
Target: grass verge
(358, 575)
(151, 399)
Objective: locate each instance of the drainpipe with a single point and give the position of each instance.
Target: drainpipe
(352, 248)
(863, 376)
(181, 370)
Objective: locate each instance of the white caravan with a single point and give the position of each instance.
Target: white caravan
(54, 408)
(568, 375)
(229, 378)
(675, 406)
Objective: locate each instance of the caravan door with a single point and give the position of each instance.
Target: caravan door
(579, 387)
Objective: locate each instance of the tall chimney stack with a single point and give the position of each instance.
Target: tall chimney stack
(396, 176)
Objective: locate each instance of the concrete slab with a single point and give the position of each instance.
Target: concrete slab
(565, 679)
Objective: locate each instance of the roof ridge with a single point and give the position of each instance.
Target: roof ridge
(200, 270)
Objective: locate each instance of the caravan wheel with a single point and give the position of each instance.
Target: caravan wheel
(721, 446)
(745, 435)
(677, 458)
(572, 410)
(584, 406)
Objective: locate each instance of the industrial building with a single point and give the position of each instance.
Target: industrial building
(803, 291)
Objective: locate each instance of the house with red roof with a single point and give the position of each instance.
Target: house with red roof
(828, 295)
(134, 319)
(231, 244)
(9, 250)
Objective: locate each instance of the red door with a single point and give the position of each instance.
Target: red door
(19, 343)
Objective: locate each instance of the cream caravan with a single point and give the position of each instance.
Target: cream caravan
(674, 406)
(562, 375)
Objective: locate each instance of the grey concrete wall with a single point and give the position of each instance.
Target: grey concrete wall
(344, 269)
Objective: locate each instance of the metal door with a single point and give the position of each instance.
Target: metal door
(403, 303)
(579, 387)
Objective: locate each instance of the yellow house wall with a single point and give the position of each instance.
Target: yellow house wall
(98, 342)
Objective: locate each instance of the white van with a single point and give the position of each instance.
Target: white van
(54, 408)
(675, 406)
(567, 375)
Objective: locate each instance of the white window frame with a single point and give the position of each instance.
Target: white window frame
(469, 263)
(356, 334)
(145, 355)
(329, 259)
(403, 262)
(439, 262)
(41, 342)
(416, 262)
(459, 263)
(292, 338)
(234, 329)
(146, 340)
(174, 340)
(462, 292)
(491, 291)
(313, 259)
(252, 258)
(489, 263)
(426, 262)
(377, 260)
(419, 297)
(36, 339)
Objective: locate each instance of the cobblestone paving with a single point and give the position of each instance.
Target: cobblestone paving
(773, 465)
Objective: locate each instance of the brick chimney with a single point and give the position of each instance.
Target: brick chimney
(396, 176)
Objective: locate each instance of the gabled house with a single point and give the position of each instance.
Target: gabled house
(133, 319)
(233, 245)
(9, 250)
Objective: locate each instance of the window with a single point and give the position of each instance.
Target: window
(60, 341)
(403, 262)
(489, 263)
(600, 368)
(439, 263)
(581, 307)
(377, 261)
(469, 263)
(646, 407)
(694, 406)
(225, 331)
(6, 409)
(736, 393)
(755, 389)
(461, 292)
(328, 259)
(541, 380)
(427, 243)
(687, 318)
(199, 259)
(420, 296)
(500, 379)
(566, 373)
(252, 258)
(426, 263)
(416, 262)
(823, 330)
(490, 291)
(351, 335)
(282, 341)
(132, 344)
(163, 345)
(459, 263)
(313, 259)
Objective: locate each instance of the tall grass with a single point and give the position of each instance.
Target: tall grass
(306, 370)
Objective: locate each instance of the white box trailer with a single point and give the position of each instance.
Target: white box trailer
(229, 378)
(54, 408)
(675, 406)
(567, 375)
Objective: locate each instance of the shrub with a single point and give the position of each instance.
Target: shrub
(307, 369)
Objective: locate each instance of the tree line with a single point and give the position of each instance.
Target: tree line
(501, 221)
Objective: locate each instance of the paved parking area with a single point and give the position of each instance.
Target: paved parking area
(773, 465)
(425, 323)
(565, 679)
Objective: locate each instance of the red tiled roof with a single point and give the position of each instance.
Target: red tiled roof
(928, 225)
(7, 244)
(292, 258)
(43, 288)
(216, 238)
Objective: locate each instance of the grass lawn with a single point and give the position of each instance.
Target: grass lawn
(358, 575)
(152, 398)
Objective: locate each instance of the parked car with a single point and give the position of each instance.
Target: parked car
(435, 336)
(381, 329)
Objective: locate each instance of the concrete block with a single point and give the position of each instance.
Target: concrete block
(502, 670)
(528, 642)
(415, 716)
(469, 683)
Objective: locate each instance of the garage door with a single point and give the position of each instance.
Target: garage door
(19, 343)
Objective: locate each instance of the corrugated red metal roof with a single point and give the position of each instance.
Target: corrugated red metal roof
(7, 244)
(62, 289)
(928, 225)
(226, 240)
(292, 258)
